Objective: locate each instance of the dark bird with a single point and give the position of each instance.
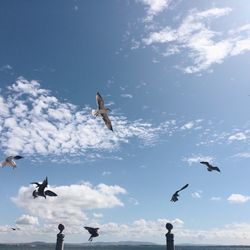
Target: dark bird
(40, 189)
(9, 161)
(209, 166)
(103, 111)
(15, 228)
(93, 232)
(176, 195)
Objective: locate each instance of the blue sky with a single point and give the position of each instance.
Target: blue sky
(175, 75)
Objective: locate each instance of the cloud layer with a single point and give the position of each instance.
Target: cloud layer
(33, 121)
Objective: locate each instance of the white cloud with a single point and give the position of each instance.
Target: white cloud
(237, 137)
(197, 158)
(188, 125)
(104, 173)
(197, 195)
(238, 198)
(154, 7)
(33, 121)
(126, 95)
(243, 155)
(27, 220)
(97, 215)
(72, 202)
(202, 45)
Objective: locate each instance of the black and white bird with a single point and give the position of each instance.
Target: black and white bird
(40, 191)
(103, 111)
(93, 232)
(176, 194)
(209, 166)
(10, 161)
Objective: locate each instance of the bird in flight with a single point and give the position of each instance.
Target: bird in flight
(176, 195)
(15, 228)
(103, 111)
(209, 166)
(93, 232)
(40, 189)
(9, 161)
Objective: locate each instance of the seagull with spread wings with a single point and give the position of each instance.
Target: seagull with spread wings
(103, 111)
(9, 161)
(176, 194)
(40, 189)
(93, 232)
(209, 166)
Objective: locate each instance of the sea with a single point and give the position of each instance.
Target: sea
(112, 247)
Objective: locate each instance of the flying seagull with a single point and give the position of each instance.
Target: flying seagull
(40, 189)
(15, 228)
(103, 111)
(93, 232)
(209, 166)
(9, 161)
(176, 195)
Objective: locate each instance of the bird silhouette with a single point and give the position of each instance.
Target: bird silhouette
(15, 228)
(209, 166)
(93, 232)
(103, 111)
(40, 189)
(176, 194)
(9, 161)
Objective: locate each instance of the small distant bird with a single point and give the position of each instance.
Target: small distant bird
(93, 232)
(176, 195)
(9, 161)
(15, 228)
(40, 189)
(209, 166)
(103, 111)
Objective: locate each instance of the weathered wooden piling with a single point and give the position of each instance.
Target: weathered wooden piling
(60, 238)
(169, 237)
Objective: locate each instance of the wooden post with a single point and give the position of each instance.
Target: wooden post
(60, 237)
(169, 237)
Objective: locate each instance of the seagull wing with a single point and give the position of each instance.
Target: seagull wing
(107, 121)
(215, 168)
(45, 182)
(91, 230)
(99, 101)
(182, 188)
(17, 157)
(50, 193)
(205, 163)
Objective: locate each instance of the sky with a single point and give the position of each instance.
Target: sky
(175, 75)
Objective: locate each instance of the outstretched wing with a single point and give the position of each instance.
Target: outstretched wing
(50, 193)
(99, 101)
(17, 157)
(215, 168)
(205, 163)
(91, 230)
(45, 182)
(107, 121)
(182, 188)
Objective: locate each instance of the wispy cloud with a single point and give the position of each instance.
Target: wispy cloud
(197, 195)
(127, 96)
(195, 38)
(33, 121)
(154, 7)
(238, 198)
(215, 198)
(26, 219)
(197, 158)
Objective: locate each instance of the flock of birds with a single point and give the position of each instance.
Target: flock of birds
(40, 187)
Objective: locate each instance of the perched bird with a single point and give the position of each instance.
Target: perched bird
(40, 189)
(103, 111)
(9, 161)
(176, 195)
(93, 232)
(209, 166)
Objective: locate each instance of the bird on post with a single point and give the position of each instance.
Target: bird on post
(103, 111)
(9, 161)
(40, 189)
(93, 232)
(176, 194)
(209, 166)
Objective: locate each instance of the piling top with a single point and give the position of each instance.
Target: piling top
(169, 227)
(61, 227)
